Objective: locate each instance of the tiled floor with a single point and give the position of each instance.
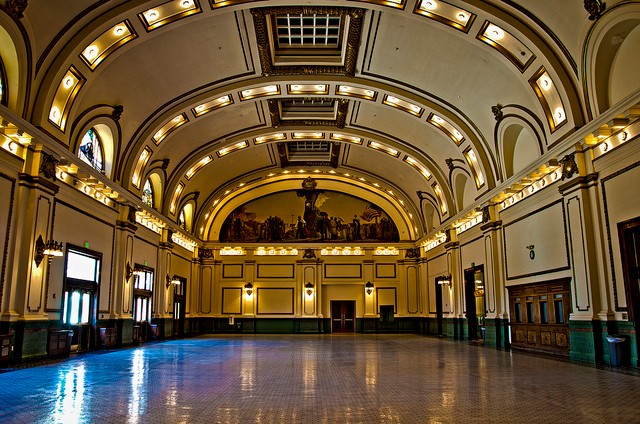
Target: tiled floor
(316, 379)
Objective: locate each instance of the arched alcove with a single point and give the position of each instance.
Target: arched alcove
(623, 78)
(519, 148)
(610, 57)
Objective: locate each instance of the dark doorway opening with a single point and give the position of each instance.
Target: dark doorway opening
(629, 235)
(474, 299)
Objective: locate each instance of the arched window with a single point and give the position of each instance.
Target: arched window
(182, 219)
(147, 193)
(90, 150)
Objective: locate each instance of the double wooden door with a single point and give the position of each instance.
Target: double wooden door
(343, 316)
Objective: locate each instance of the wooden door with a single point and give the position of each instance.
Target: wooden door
(343, 316)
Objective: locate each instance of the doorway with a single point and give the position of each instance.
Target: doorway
(439, 281)
(343, 316)
(629, 235)
(474, 299)
(80, 296)
(179, 305)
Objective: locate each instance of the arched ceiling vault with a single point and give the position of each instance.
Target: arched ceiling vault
(407, 93)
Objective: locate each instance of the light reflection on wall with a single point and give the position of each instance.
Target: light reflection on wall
(70, 396)
(138, 399)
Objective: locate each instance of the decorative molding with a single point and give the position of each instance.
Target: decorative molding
(16, 8)
(569, 166)
(117, 112)
(595, 8)
(48, 166)
(497, 111)
(412, 253)
(205, 253)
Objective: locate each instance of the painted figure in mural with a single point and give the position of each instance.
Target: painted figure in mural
(356, 228)
(300, 228)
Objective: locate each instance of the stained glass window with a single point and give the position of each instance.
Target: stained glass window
(147, 193)
(90, 150)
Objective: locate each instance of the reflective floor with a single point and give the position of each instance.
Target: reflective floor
(316, 379)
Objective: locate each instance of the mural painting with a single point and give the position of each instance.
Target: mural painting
(308, 215)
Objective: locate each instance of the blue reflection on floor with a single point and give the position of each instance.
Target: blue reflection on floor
(296, 379)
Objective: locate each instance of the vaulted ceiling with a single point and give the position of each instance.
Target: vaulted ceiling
(395, 102)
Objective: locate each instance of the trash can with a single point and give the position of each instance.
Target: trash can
(619, 354)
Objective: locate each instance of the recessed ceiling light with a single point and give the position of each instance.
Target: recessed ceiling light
(119, 30)
(151, 15)
(559, 114)
(54, 114)
(462, 17)
(494, 32)
(429, 4)
(68, 82)
(91, 52)
(545, 83)
(186, 3)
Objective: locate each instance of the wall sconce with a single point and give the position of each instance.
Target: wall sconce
(248, 289)
(569, 166)
(532, 253)
(445, 279)
(309, 289)
(368, 288)
(175, 280)
(51, 248)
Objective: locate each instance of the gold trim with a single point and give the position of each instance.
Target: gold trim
(68, 101)
(503, 50)
(445, 20)
(543, 101)
(169, 19)
(112, 48)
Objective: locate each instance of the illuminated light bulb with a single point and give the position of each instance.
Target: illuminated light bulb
(271, 174)
(438, 119)
(457, 134)
(91, 52)
(559, 114)
(199, 108)
(68, 82)
(295, 87)
(369, 93)
(545, 83)
(177, 118)
(227, 192)
(392, 99)
(186, 3)
(415, 108)
(429, 4)
(495, 32)
(316, 170)
(151, 15)
(271, 88)
(320, 87)
(54, 115)
(462, 17)
(623, 136)
(332, 172)
(345, 88)
(119, 30)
